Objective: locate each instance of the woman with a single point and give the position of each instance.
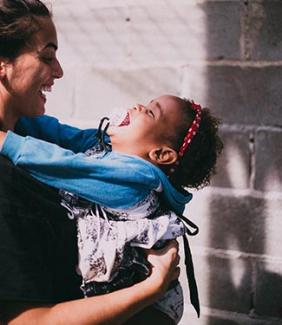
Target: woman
(38, 282)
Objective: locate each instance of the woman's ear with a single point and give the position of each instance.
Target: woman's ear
(3, 68)
(163, 156)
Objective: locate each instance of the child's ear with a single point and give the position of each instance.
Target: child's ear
(163, 156)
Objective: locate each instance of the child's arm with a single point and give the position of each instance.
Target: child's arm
(116, 183)
(48, 128)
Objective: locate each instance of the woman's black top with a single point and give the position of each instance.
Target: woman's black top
(38, 250)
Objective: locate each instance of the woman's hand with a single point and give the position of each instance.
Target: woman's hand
(164, 266)
(2, 138)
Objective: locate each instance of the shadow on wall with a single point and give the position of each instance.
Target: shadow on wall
(246, 277)
(240, 281)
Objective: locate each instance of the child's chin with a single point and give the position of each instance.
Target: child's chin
(112, 130)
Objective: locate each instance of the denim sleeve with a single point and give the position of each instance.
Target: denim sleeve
(50, 129)
(117, 182)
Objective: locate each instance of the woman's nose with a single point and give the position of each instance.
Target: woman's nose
(57, 70)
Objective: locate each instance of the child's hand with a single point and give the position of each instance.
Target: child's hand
(164, 265)
(2, 138)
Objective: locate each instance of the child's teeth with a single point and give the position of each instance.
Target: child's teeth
(125, 121)
(117, 116)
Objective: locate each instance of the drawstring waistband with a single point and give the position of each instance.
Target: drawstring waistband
(101, 133)
(194, 296)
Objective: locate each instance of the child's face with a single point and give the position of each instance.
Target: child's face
(147, 126)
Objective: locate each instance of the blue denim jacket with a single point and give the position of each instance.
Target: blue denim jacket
(115, 180)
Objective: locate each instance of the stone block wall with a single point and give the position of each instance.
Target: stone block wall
(227, 55)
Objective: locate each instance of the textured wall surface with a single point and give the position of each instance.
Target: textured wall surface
(227, 55)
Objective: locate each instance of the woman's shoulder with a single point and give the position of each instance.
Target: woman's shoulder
(21, 189)
(7, 169)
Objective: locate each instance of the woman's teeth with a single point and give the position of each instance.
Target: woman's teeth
(44, 90)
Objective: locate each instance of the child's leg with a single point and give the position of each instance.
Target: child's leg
(150, 315)
(172, 303)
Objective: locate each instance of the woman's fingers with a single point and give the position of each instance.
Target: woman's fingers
(165, 263)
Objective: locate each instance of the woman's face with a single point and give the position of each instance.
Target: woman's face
(33, 72)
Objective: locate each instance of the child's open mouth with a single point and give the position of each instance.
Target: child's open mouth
(119, 117)
(125, 121)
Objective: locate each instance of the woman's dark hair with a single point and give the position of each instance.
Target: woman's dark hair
(18, 24)
(198, 163)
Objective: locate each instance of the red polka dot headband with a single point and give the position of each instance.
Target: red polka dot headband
(192, 130)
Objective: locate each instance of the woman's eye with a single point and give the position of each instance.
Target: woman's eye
(48, 59)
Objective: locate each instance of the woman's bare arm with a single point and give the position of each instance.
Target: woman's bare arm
(113, 308)
(2, 138)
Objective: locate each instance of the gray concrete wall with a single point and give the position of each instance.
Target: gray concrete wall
(227, 55)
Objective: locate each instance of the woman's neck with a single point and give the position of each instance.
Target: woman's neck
(8, 120)
(8, 111)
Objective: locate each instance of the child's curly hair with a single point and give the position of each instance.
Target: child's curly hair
(198, 162)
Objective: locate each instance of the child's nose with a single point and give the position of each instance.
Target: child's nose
(140, 107)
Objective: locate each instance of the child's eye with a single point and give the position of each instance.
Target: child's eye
(151, 113)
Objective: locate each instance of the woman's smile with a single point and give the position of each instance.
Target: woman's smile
(45, 89)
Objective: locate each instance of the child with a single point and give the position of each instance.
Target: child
(152, 155)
